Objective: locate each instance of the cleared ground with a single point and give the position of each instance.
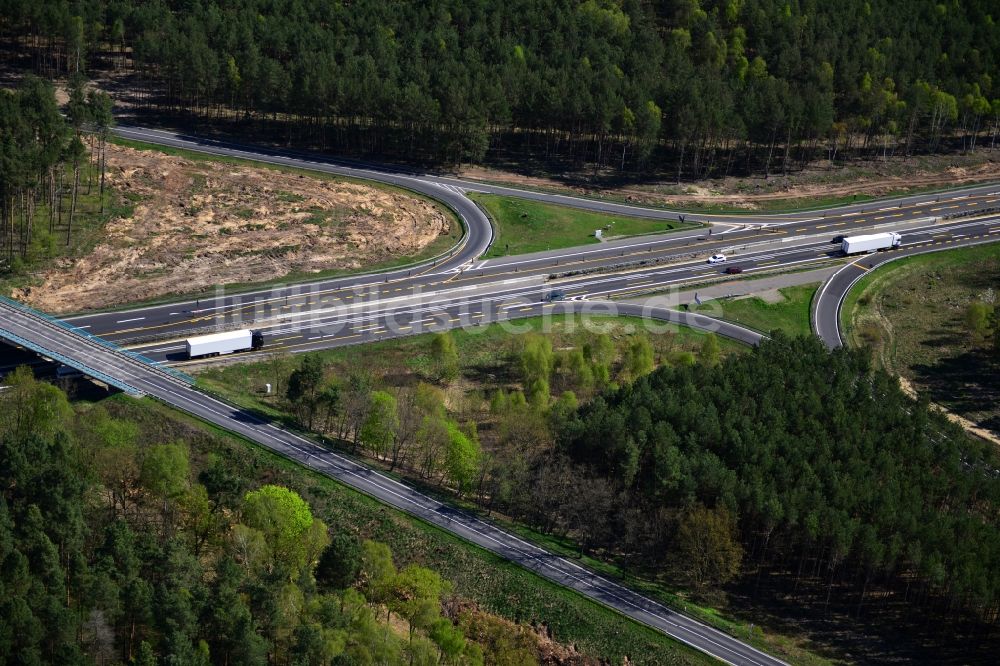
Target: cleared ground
(911, 313)
(525, 226)
(195, 223)
(820, 184)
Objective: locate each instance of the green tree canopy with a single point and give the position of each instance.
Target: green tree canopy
(286, 523)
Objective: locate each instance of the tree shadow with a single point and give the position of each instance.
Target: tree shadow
(967, 384)
(943, 338)
(889, 629)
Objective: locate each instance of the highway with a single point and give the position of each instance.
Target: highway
(826, 310)
(462, 268)
(318, 318)
(146, 379)
(459, 289)
(451, 190)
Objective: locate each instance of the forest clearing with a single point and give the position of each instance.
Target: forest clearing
(199, 223)
(818, 183)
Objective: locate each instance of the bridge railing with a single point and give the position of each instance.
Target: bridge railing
(97, 339)
(65, 360)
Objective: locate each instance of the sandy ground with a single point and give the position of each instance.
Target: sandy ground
(818, 181)
(969, 426)
(199, 223)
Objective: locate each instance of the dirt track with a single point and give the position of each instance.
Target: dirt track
(200, 223)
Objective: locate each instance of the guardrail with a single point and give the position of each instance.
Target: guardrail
(805, 240)
(973, 213)
(65, 360)
(76, 330)
(841, 334)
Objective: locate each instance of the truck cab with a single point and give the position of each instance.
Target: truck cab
(256, 340)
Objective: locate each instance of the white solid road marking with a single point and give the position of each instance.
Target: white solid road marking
(424, 506)
(125, 321)
(347, 467)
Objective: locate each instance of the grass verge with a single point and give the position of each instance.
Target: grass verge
(484, 353)
(762, 207)
(524, 226)
(794, 649)
(495, 584)
(911, 314)
(790, 314)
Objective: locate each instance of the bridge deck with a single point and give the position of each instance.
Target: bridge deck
(122, 369)
(76, 348)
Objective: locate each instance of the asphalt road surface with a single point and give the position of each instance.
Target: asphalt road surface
(319, 318)
(461, 290)
(463, 269)
(144, 379)
(448, 188)
(830, 297)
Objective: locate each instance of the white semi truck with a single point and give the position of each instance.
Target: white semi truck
(224, 343)
(870, 243)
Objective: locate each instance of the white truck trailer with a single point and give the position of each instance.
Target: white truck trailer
(224, 343)
(870, 243)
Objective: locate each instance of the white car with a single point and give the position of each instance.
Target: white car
(717, 259)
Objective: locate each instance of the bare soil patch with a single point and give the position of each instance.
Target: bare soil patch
(817, 183)
(199, 223)
(969, 426)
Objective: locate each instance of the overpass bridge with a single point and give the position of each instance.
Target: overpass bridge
(139, 376)
(78, 349)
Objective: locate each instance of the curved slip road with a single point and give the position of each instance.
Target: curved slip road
(831, 295)
(386, 324)
(479, 233)
(446, 187)
(322, 320)
(462, 267)
(463, 270)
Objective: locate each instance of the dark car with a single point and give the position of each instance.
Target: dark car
(837, 240)
(733, 270)
(555, 295)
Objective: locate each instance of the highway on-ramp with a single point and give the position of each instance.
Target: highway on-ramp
(321, 318)
(459, 289)
(462, 268)
(829, 299)
(448, 188)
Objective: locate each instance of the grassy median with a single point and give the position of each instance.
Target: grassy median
(789, 312)
(523, 225)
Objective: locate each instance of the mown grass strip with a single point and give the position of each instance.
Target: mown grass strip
(524, 226)
(790, 315)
